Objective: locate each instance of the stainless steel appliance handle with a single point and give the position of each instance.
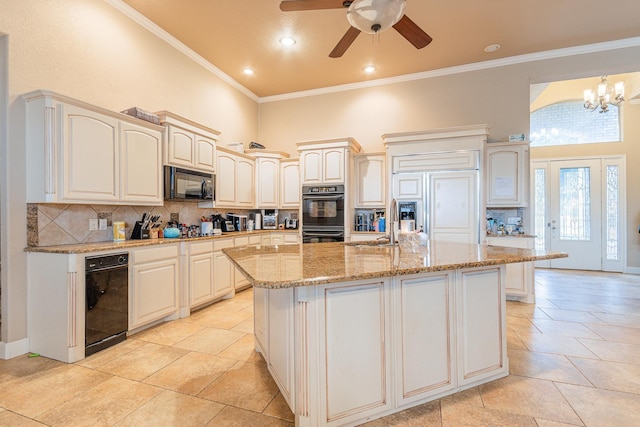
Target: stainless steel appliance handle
(307, 234)
(323, 196)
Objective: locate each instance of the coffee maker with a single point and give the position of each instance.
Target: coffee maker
(269, 219)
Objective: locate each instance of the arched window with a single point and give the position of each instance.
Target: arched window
(567, 123)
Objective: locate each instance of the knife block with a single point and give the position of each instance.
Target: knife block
(138, 232)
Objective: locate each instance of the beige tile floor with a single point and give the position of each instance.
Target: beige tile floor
(574, 361)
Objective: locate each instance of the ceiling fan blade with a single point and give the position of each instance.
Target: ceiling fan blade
(344, 42)
(414, 34)
(295, 5)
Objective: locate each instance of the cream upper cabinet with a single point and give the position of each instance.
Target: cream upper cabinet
(245, 189)
(80, 153)
(140, 160)
(268, 177)
(188, 144)
(235, 185)
(370, 176)
(323, 166)
(507, 174)
(326, 161)
(289, 183)
(408, 186)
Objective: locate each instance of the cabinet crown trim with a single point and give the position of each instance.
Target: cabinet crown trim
(442, 133)
(169, 118)
(347, 142)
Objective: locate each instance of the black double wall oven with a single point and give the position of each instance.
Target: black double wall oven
(323, 214)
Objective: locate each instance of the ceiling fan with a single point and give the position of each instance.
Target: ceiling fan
(369, 16)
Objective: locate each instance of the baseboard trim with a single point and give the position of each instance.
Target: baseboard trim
(632, 270)
(9, 350)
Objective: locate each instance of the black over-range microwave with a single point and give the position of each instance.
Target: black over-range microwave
(184, 184)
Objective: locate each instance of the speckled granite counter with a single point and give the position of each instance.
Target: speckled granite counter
(321, 263)
(81, 248)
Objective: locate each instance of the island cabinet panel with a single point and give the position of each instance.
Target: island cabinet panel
(426, 339)
(260, 326)
(354, 352)
(481, 324)
(280, 340)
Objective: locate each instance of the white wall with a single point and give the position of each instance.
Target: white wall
(86, 49)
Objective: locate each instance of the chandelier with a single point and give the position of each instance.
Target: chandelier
(605, 94)
(373, 16)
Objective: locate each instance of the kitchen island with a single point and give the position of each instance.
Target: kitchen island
(354, 332)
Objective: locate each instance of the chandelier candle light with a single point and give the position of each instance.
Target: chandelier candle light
(604, 95)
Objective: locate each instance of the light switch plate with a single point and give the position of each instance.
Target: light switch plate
(93, 224)
(102, 223)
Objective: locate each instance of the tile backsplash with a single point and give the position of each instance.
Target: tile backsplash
(61, 224)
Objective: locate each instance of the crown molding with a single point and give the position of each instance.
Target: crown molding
(511, 60)
(178, 45)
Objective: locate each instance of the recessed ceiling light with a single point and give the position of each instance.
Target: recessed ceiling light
(248, 71)
(492, 48)
(369, 68)
(287, 41)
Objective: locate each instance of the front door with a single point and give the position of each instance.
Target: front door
(574, 213)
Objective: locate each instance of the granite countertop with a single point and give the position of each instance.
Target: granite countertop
(81, 248)
(320, 263)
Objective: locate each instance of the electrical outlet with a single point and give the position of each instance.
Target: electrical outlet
(93, 224)
(102, 223)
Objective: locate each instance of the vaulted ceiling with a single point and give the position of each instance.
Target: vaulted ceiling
(234, 34)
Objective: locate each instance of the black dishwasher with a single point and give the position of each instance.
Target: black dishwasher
(107, 308)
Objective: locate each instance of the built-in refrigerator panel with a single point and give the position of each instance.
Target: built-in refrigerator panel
(446, 203)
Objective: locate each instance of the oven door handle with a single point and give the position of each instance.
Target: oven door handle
(323, 196)
(307, 234)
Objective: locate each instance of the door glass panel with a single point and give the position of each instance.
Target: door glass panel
(612, 227)
(575, 204)
(540, 208)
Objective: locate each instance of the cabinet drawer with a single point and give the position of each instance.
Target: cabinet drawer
(255, 240)
(511, 242)
(155, 254)
(241, 241)
(200, 248)
(222, 244)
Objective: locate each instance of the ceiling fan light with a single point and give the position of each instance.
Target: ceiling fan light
(373, 16)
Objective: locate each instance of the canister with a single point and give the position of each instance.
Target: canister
(118, 231)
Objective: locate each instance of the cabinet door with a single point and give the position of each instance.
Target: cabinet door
(154, 290)
(289, 185)
(453, 206)
(205, 154)
(482, 340)
(240, 281)
(370, 181)
(180, 148)
(408, 186)
(226, 180)
(140, 165)
(311, 162)
(245, 182)
(333, 165)
(260, 304)
(201, 279)
(280, 339)
(223, 278)
(425, 351)
(519, 280)
(267, 180)
(507, 175)
(90, 156)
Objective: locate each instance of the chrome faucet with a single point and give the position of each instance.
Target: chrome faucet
(393, 218)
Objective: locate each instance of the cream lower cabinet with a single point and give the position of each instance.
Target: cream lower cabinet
(240, 281)
(154, 285)
(79, 153)
(425, 350)
(260, 325)
(481, 334)
(200, 272)
(520, 277)
(223, 270)
(285, 238)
